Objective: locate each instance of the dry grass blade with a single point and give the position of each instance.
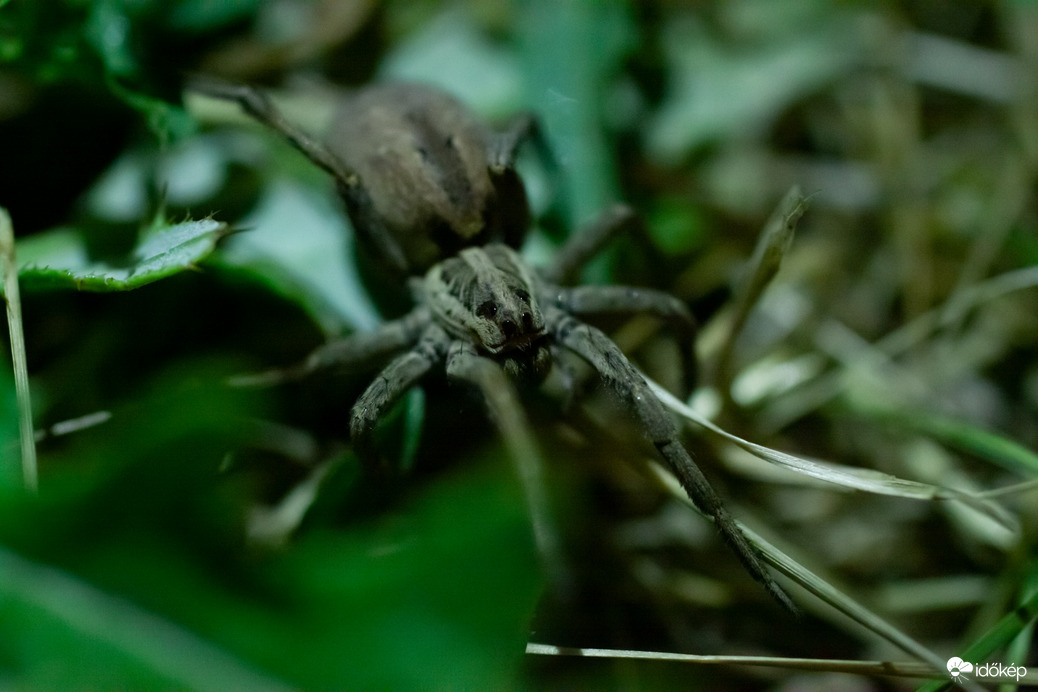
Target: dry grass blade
(841, 601)
(890, 668)
(867, 480)
(821, 588)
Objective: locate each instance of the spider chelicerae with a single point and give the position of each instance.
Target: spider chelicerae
(435, 199)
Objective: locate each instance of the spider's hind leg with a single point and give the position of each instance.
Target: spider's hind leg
(258, 105)
(605, 356)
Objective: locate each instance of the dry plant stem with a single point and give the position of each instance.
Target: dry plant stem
(21, 371)
(908, 669)
(772, 246)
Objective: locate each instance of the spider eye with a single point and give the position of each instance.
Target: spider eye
(487, 309)
(522, 295)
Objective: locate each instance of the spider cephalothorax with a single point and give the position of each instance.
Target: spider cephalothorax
(419, 174)
(487, 296)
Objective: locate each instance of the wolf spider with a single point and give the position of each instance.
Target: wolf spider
(435, 197)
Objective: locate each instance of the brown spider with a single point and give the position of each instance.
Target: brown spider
(434, 196)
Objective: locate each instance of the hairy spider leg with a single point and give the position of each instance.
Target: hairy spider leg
(464, 363)
(626, 301)
(504, 146)
(402, 373)
(258, 105)
(597, 349)
(362, 350)
(367, 223)
(358, 352)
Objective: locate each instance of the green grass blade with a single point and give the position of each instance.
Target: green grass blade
(964, 436)
(21, 370)
(998, 637)
(772, 245)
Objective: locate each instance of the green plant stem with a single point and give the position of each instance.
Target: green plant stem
(21, 371)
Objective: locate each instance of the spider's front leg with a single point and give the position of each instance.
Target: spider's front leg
(591, 301)
(627, 301)
(402, 373)
(605, 356)
(358, 352)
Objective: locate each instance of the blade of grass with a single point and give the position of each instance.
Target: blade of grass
(999, 636)
(868, 480)
(962, 435)
(815, 584)
(840, 600)
(1020, 647)
(890, 668)
(827, 387)
(21, 372)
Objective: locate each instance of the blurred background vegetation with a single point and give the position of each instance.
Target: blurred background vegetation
(191, 535)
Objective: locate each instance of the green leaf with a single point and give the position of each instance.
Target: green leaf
(131, 569)
(570, 54)
(59, 259)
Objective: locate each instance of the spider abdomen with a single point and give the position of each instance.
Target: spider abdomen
(424, 180)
